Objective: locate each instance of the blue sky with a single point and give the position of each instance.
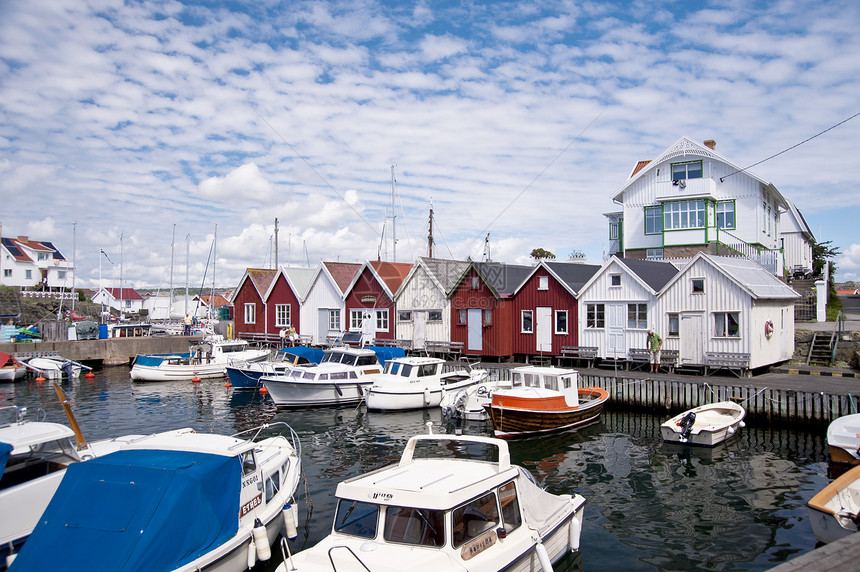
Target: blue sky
(520, 120)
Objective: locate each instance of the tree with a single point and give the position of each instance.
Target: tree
(576, 255)
(539, 253)
(823, 252)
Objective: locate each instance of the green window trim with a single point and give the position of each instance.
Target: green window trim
(654, 216)
(682, 170)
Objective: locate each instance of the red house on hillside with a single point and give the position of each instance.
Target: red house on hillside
(482, 308)
(545, 307)
(249, 305)
(369, 300)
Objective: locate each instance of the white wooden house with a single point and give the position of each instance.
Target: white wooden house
(123, 300)
(322, 308)
(423, 303)
(727, 305)
(692, 199)
(797, 241)
(27, 263)
(284, 298)
(616, 306)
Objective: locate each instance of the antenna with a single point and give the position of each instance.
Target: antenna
(430, 236)
(487, 257)
(393, 219)
(276, 243)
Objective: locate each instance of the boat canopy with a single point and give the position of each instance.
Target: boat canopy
(385, 353)
(156, 360)
(304, 353)
(137, 510)
(5, 449)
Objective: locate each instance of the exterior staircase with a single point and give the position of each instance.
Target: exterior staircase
(822, 349)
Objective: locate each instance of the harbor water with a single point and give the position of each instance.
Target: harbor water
(650, 505)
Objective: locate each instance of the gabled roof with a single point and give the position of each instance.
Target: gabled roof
(502, 279)
(216, 301)
(444, 273)
(639, 166)
(389, 275)
(573, 274)
(261, 279)
(18, 245)
(801, 222)
(123, 293)
(684, 148)
(652, 272)
(749, 276)
(15, 250)
(342, 273)
(299, 279)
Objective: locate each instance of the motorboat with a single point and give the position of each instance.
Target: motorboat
(341, 378)
(835, 511)
(707, 425)
(53, 367)
(10, 368)
(417, 383)
(34, 456)
(543, 400)
(469, 403)
(843, 438)
(177, 500)
(207, 359)
(444, 506)
(246, 375)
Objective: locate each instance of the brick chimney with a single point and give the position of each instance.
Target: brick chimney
(711, 144)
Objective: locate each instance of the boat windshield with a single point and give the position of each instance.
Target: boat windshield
(42, 459)
(356, 518)
(406, 370)
(392, 367)
(339, 357)
(525, 379)
(232, 348)
(423, 527)
(475, 518)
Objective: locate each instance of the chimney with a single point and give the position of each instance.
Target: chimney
(711, 144)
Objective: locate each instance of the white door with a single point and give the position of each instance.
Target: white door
(616, 318)
(323, 323)
(368, 327)
(476, 333)
(543, 328)
(419, 319)
(692, 334)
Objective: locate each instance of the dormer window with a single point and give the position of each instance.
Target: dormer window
(686, 170)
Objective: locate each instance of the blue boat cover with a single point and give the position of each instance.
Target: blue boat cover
(5, 449)
(156, 359)
(136, 510)
(304, 353)
(385, 353)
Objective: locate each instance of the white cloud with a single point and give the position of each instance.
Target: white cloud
(243, 183)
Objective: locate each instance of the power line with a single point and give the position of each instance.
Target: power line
(790, 148)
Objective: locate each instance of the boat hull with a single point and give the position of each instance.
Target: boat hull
(177, 372)
(290, 393)
(392, 400)
(714, 424)
(525, 419)
(834, 512)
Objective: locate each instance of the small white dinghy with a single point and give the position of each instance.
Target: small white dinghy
(446, 513)
(706, 425)
(843, 438)
(835, 511)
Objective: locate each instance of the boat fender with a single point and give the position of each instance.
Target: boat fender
(261, 539)
(543, 556)
(252, 553)
(575, 532)
(730, 430)
(290, 520)
(742, 424)
(426, 396)
(10, 559)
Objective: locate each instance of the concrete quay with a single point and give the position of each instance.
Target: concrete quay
(110, 351)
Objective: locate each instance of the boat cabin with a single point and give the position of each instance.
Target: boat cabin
(545, 382)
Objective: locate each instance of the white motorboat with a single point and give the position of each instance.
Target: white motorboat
(33, 456)
(432, 513)
(10, 368)
(835, 511)
(206, 360)
(706, 425)
(178, 500)
(341, 378)
(470, 403)
(843, 438)
(54, 367)
(417, 383)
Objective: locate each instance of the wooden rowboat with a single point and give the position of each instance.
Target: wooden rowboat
(835, 511)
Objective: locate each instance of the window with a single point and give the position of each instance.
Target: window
(561, 321)
(356, 518)
(282, 315)
(250, 313)
(674, 325)
(768, 221)
(511, 518)
(726, 214)
(615, 279)
(127, 303)
(43, 256)
(249, 464)
(28, 274)
(698, 285)
(726, 325)
(653, 220)
(434, 315)
(382, 320)
(475, 518)
(653, 254)
(462, 316)
(526, 323)
(356, 317)
(637, 316)
(614, 230)
(764, 216)
(684, 214)
(474, 282)
(419, 526)
(686, 170)
(594, 316)
(404, 316)
(334, 320)
(61, 274)
(488, 317)
(543, 282)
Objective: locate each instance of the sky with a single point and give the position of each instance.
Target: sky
(148, 129)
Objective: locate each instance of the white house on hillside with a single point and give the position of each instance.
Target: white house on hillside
(797, 241)
(692, 199)
(28, 263)
(125, 300)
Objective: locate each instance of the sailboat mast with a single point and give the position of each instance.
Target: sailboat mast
(393, 220)
(276, 243)
(214, 259)
(172, 243)
(430, 236)
(187, 262)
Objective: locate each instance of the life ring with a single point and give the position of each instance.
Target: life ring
(768, 329)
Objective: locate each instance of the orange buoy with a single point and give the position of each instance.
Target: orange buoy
(40, 379)
(195, 379)
(228, 384)
(263, 390)
(90, 375)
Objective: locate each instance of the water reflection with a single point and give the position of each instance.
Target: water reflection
(651, 505)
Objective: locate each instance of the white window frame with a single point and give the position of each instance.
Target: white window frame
(382, 320)
(721, 325)
(334, 320)
(356, 317)
(283, 315)
(527, 321)
(653, 254)
(640, 319)
(677, 168)
(565, 329)
(612, 278)
(674, 320)
(592, 319)
(250, 313)
(684, 215)
(693, 285)
(724, 210)
(653, 220)
(543, 283)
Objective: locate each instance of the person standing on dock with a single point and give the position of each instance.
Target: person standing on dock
(655, 344)
(187, 324)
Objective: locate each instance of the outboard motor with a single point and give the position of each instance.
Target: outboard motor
(686, 425)
(67, 369)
